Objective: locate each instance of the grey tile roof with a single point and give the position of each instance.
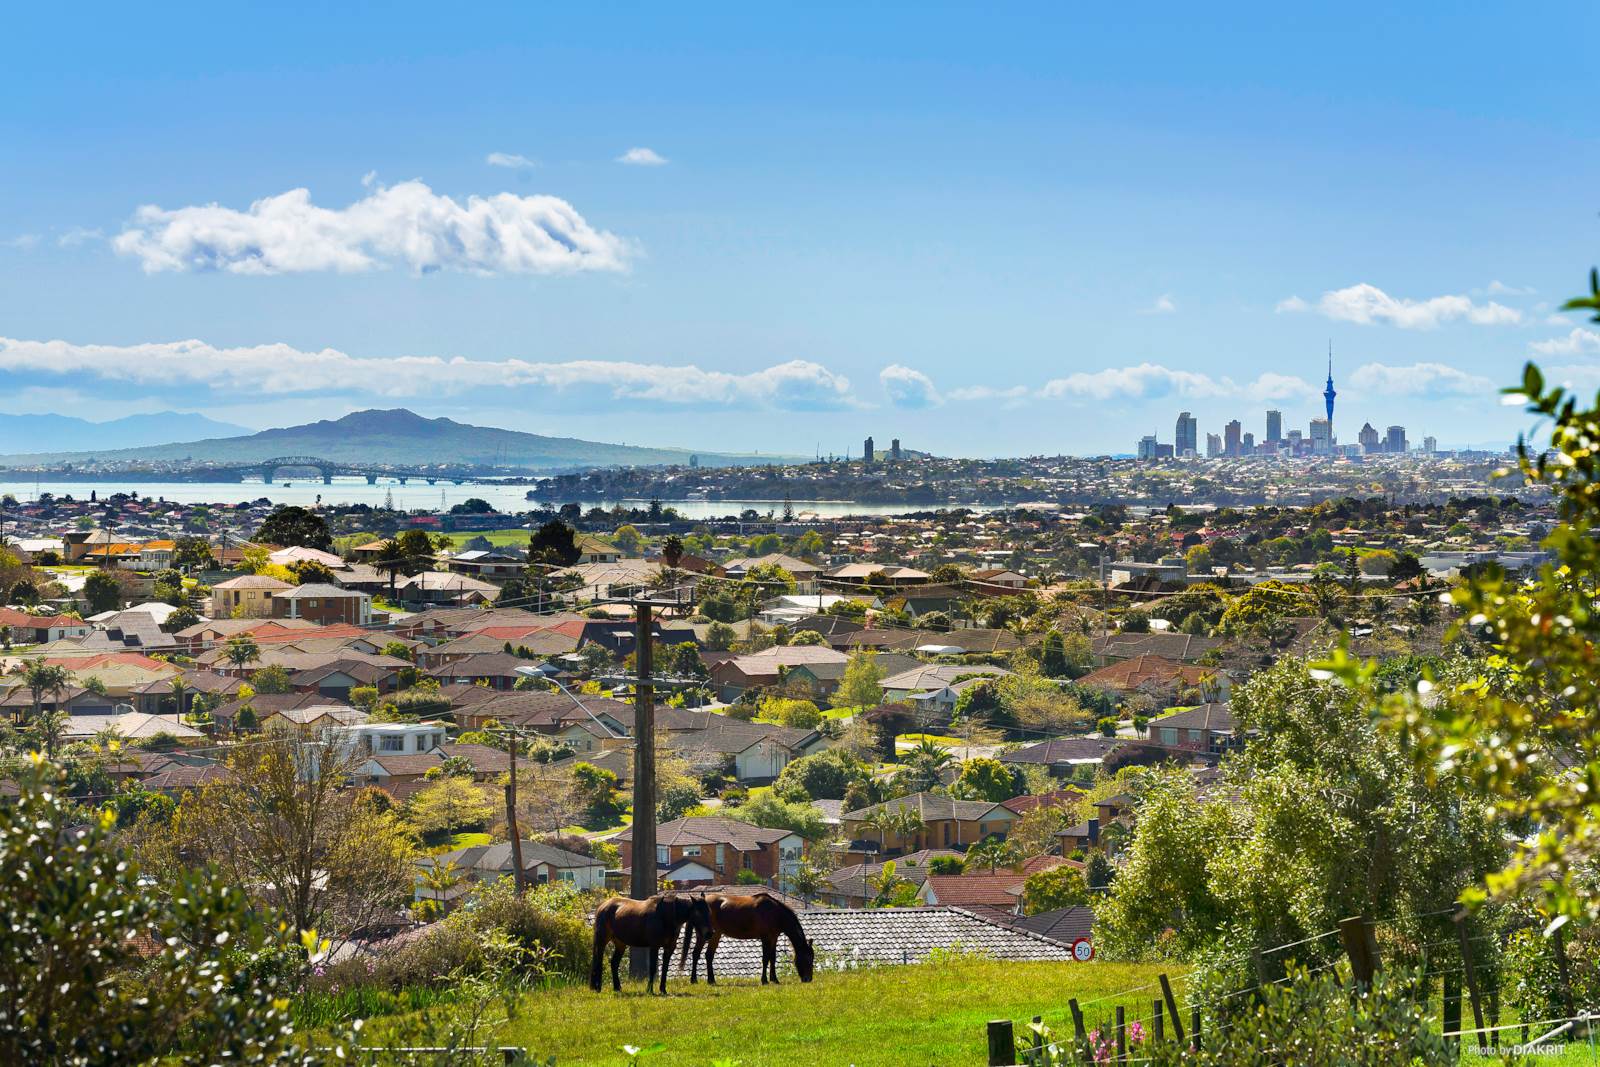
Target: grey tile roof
(861, 937)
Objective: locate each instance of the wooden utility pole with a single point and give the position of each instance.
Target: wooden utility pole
(644, 774)
(1472, 974)
(518, 875)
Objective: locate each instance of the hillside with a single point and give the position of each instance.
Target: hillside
(395, 437)
(51, 433)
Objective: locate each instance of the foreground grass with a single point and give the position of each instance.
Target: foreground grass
(928, 1014)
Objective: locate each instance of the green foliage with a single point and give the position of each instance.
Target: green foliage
(1057, 887)
(720, 636)
(101, 592)
(861, 686)
(676, 800)
(79, 990)
(771, 811)
(290, 526)
(272, 679)
(824, 776)
(982, 778)
(800, 714)
(748, 877)
(944, 865)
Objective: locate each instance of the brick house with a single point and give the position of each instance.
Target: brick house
(323, 603)
(722, 846)
(946, 823)
(248, 596)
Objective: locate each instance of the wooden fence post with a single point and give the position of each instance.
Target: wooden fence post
(1002, 1043)
(1194, 1028)
(1472, 974)
(1037, 1058)
(1361, 946)
(1158, 1023)
(1077, 1021)
(1122, 1036)
(1172, 1006)
(1452, 1008)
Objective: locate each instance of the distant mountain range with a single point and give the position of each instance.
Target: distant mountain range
(395, 438)
(53, 433)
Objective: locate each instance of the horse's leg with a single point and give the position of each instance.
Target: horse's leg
(666, 959)
(711, 950)
(616, 961)
(772, 957)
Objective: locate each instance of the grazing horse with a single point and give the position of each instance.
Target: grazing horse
(758, 917)
(652, 924)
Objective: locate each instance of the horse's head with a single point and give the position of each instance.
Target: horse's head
(805, 958)
(690, 908)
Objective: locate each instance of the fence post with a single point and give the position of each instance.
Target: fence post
(1472, 974)
(1122, 1036)
(1158, 1023)
(1353, 933)
(513, 1054)
(1194, 1028)
(1077, 1021)
(1172, 1006)
(1560, 947)
(1002, 1043)
(1038, 1042)
(1452, 1008)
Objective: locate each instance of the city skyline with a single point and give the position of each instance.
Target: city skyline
(964, 228)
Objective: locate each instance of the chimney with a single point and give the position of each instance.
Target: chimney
(1094, 832)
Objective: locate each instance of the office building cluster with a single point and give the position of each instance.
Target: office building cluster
(1317, 440)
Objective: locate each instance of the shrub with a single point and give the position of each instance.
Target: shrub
(944, 865)
(1107, 726)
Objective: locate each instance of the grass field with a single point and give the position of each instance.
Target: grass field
(494, 537)
(928, 1014)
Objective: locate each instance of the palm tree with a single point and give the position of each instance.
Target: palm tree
(391, 560)
(883, 821)
(41, 677)
(439, 879)
(241, 650)
(180, 689)
(49, 729)
(806, 880)
(908, 823)
(992, 851)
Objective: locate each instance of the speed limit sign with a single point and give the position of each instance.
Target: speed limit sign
(1082, 950)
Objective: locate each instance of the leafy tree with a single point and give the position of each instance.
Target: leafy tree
(79, 990)
(283, 823)
(805, 881)
(555, 544)
(672, 550)
(291, 526)
(991, 854)
(628, 538)
(1199, 559)
(193, 553)
(1135, 622)
(1053, 655)
(101, 592)
(827, 775)
(808, 637)
(312, 572)
(1406, 567)
(676, 800)
(448, 804)
(397, 650)
(770, 811)
(982, 778)
(890, 889)
(720, 636)
(181, 618)
(800, 714)
(862, 684)
(272, 680)
(1057, 887)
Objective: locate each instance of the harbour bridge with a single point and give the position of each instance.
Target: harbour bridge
(267, 470)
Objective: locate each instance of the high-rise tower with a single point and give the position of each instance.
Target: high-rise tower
(1328, 394)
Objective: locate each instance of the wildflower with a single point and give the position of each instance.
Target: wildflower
(1136, 1032)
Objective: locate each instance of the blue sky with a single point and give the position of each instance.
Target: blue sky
(1044, 229)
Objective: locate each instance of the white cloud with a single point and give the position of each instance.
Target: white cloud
(23, 241)
(79, 235)
(1013, 393)
(1580, 340)
(1367, 305)
(406, 225)
(1500, 288)
(1142, 382)
(510, 160)
(1274, 386)
(908, 388)
(1163, 305)
(1421, 380)
(279, 369)
(642, 157)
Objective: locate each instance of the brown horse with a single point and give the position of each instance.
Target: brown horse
(652, 924)
(757, 917)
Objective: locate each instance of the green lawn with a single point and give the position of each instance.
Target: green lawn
(927, 1014)
(494, 537)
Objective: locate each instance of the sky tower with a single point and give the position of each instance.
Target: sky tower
(1328, 394)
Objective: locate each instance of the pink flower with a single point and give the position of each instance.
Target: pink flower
(1136, 1032)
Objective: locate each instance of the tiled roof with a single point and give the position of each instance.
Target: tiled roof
(1216, 717)
(978, 888)
(852, 937)
(713, 830)
(1062, 750)
(931, 806)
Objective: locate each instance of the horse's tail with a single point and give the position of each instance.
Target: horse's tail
(602, 936)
